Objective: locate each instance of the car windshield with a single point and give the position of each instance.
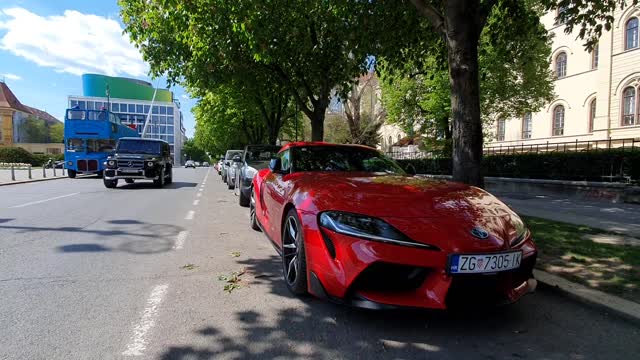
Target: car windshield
(255, 155)
(139, 147)
(231, 154)
(342, 158)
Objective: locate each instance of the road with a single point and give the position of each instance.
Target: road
(92, 273)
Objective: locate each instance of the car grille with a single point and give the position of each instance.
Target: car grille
(135, 164)
(82, 165)
(93, 165)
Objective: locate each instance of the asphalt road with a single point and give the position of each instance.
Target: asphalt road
(92, 273)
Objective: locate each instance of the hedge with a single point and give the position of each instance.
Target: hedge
(20, 155)
(610, 165)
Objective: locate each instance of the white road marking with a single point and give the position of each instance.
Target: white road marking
(138, 342)
(180, 239)
(190, 215)
(196, 202)
(199, 194)
(42, 201)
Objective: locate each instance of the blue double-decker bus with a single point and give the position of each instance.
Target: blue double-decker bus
(90, 135)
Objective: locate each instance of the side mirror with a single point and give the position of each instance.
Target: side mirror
(275, 165)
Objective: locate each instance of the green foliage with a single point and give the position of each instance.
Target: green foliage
(56, 133)
(41, 159)
(193, 151)
(587, 165)
(35, 130)
(591, 17)
(308, 47)
(16, 155)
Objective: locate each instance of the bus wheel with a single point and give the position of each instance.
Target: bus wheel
(110, 184)
(100, 174)
(71, 173)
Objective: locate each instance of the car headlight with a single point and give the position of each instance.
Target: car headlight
(368, 228)
(111, 163)
(521, 231)
(70, 163)
(150, 163)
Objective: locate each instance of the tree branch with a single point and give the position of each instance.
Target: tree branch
(432, 14)
(485, 10)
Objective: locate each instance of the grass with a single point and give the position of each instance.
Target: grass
(568, 251)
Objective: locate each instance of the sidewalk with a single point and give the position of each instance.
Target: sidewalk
(620, 218)
(23, 175)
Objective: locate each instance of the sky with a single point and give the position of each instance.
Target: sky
(45, 47)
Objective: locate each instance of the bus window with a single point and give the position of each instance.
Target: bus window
(75, 114)
(75, 145)
(100, 145)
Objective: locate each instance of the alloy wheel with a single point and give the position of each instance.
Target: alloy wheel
(290, 250)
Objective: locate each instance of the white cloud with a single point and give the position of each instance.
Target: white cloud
(11, 76)
(74, 42)
(184, 96)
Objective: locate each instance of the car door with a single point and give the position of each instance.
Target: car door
(274, 197)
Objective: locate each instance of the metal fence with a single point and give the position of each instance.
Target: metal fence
(570, 146)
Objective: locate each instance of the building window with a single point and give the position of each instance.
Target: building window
(592, 114)
(558, 120)
(526, 126)
(561, 65)
(628, 106)
(594, 56)
(631, 34)
(500, 130)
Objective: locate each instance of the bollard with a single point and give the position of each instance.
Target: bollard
(44, 173)
(13, 173)
(63, 167)
(54, 170)
(29, 168)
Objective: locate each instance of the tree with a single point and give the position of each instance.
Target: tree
(309, 46)
(56, 133)
(193, 151)
(33, 130)
(363, 116)
(451, 32)
(514, 79)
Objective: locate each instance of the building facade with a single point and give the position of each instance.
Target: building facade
(597, 92)
(24, 126)
(132, 100)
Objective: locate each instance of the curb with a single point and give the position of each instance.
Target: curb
(625, 309)
(32, 180)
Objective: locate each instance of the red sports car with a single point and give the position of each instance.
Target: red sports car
(351, 226)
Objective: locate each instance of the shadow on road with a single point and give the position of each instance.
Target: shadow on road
(2, 221)
(536, 327)
(134, 236)
(149, 185)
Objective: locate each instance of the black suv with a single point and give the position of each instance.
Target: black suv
(139, 159)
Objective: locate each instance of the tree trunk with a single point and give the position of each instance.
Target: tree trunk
(317, 125)
(462, 34)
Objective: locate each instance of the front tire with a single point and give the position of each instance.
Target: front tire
(170, 177)
(160, 181)
(252, 212)
(230, 185)
(110, 184)
(294, 261)
(243, 200)
(71, 173)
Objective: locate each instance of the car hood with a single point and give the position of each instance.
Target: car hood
(398, 196)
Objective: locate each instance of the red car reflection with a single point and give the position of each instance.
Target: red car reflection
(352, 227)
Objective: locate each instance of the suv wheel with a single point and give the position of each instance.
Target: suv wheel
(110, 184)
(169, 179)
(160, 181)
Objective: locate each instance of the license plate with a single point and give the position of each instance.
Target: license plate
(484, 263)
(129, 170)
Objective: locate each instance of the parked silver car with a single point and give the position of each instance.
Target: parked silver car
(255, 158)
(227, 163)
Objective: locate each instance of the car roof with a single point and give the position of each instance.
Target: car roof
(322, 144)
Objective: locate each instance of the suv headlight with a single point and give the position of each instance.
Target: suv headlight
(111, 163)
(368, 228)
(521, 231)
(150, 163)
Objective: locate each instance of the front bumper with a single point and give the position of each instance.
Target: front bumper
(372, 274)
(141, 174)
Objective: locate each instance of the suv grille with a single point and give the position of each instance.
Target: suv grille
(134, 164)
